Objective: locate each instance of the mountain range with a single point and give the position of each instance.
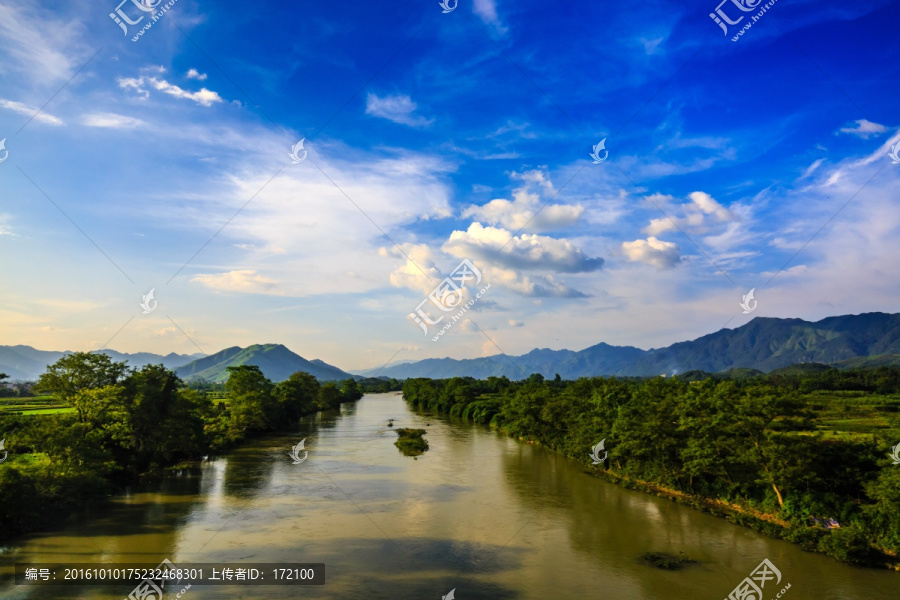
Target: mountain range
(764, 344)
(25, 363)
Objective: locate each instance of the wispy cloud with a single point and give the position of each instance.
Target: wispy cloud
(864, 129)
(487, 11)
(203, 97)
(398, 108)
(111, 121)
(246, 281)
(30, 111)
(39, 45)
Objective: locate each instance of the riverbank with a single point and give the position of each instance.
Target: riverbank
(752, 450)
(810, 539)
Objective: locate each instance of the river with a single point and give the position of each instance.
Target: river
(478, 513)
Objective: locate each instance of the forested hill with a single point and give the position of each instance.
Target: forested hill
(274, 360)
(764, 344)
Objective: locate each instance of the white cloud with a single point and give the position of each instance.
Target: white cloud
(38, 45)
(312, 238)
(419, 272)
(864, 129)
(29, 111)
(398, 108)
(4, 226)
(709, 206)
(527, 251)
(245, 281)
(525, 210)
(651, 46)
(487, 11)
(512, 126)
(111, 121)
(536, 286)
(660, 254)
(812, 168)
(204, 97)
(195, 74)
(701, 215)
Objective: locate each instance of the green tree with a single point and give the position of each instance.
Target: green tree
(73, 374)
(330, 396)
(297, 395)
(755, 412)
(253, 405)
(351, 390)
(165, 422)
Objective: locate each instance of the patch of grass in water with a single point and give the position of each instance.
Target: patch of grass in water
(664, 560)
(411, 441)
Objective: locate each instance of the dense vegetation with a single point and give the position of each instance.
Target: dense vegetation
(411, 442)
(765, 448)
(379, 385)
(126, 423)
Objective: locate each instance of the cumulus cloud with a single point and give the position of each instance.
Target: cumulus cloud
(700, 215)
(864, 128)
(246, 281)
(537, 286)
(29, 111)
(195, 74)
(111, 121)
(525, 210)
(398, 108)
(419, 271)
(660, 254)
(204, 97)
(526, 251)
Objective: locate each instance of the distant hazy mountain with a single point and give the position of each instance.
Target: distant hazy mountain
(27, 363)
(139, 359)
(274, 360)
(764, 343)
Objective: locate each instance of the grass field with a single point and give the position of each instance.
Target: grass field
(855, 415)
(35, 405)
(48, 411)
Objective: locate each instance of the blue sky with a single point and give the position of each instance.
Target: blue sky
(164, 163)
